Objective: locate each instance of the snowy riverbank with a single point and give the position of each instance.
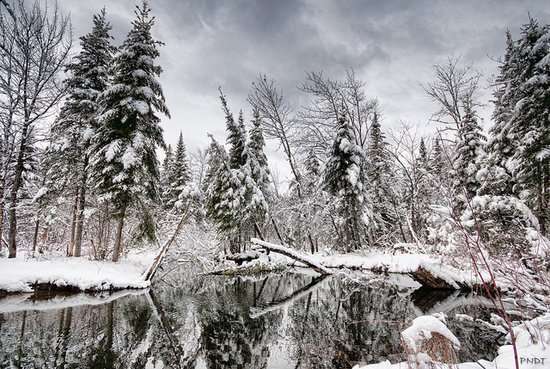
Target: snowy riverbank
(22, 273)
(430, 271)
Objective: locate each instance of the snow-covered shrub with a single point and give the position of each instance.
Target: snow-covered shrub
(442, 236)
(504, 224)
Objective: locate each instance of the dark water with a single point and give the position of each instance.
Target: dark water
(284, 320)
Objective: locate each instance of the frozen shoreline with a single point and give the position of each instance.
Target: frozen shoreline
(79, 274)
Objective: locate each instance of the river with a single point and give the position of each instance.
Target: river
(277, 320)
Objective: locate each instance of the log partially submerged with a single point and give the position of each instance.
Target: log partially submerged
(426, 278)
(319, 268)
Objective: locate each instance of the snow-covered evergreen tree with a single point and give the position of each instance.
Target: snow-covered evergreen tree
(258, 159)
(381, 183)
(178, 174)
(72, 130)
(167, 162)
(125, 166)
(519, 147)
(165, 175)
(235, 201)
(422, 154)
(437, 159)
(344, 179)
(469, 155)
(223, 196)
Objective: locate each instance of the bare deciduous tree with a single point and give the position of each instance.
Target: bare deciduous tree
(318, 120)
(455, 88)
(34, 44)
(277, 119)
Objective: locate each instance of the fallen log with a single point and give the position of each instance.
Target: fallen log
(426, 278)
(243, 257)
(150, 272)
(319, 268)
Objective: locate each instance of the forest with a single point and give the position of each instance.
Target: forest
(81, 142)
(85, 170)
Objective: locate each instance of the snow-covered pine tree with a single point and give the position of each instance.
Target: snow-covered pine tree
(178, 174)
(312, 172)
(125, 165)
(421, 193)
(235, 202)
(226, 192)
(530, 121)
(437, 160)
(71, 131)
(258, 159)
(223, 195)
(519, 147)
(165, 175)
(257, 169)
(344, 179)
(422, 154)
(380, 183)
(167, 162)
(182, 173)
(469, 155)
(496, 176)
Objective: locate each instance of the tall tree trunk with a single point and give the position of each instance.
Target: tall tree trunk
(35, 235)
(19, 166)
(118, 240)
(542, 201)
(80, 211)
(1, 218)
(73, 226)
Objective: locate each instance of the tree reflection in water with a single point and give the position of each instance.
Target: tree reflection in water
(270, 321)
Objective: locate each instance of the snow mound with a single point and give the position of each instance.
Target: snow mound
(422, 329)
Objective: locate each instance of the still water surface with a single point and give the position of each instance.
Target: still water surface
(277, 320)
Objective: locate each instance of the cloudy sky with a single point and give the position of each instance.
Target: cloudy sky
(392, 45)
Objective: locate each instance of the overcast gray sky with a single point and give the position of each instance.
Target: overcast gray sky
(392, 45)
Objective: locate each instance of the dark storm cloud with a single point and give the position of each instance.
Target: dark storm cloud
(391, 44)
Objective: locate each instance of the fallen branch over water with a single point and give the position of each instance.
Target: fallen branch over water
(318, 267)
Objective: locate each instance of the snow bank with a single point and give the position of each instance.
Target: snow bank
(401, 263)
(18, 275)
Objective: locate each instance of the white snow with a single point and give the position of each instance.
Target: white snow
(140, 106)
(129, 158)
(422, 329)
(19, 274)
(112, 150)
(400, 263)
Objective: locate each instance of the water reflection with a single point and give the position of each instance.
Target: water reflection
(188, 321)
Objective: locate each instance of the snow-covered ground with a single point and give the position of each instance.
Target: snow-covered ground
(532, 342)
(19, 274)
